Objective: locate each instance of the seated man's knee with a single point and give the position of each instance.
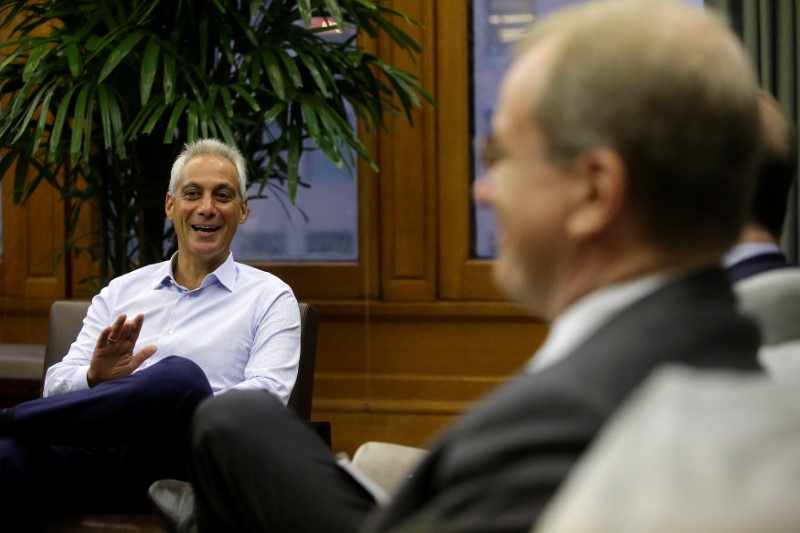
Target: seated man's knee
(232, 412)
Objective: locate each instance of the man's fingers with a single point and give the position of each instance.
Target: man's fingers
(113, 333)
(136, 328)
(142, 355)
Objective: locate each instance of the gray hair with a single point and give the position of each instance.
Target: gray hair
(214, 148)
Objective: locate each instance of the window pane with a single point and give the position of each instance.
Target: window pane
(322, 226)
(496, 24)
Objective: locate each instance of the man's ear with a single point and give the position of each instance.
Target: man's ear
(245, 212)
(603, 187)
(168, 203)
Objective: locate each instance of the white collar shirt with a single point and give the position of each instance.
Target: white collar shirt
(587, 315)
(241, 326)
(744, 251)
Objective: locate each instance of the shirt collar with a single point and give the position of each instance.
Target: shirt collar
(225, 274)
(573, 326)
(740, 252)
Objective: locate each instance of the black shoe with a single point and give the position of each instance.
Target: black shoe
(173, 501)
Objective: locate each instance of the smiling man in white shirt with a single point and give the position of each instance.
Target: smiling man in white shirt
(116, 408)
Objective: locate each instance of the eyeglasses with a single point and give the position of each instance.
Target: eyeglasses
(490, 151)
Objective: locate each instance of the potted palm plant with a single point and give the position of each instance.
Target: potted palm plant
(100, 96)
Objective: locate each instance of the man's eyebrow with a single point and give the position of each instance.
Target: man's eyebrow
(188, 184)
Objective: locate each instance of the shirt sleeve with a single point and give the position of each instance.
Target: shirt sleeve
(275, 354)
(71, 373)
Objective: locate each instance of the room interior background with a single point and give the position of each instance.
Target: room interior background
(412, 329)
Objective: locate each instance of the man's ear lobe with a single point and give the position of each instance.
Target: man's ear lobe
(603, 182)
(245, 212)
(168, 203)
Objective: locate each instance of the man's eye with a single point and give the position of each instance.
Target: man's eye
(191, 195)
(223, 196)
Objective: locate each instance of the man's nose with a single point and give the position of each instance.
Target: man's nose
(207, 205)
(482, 189)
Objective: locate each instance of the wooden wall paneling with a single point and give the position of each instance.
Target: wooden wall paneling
(32, 275)
(408, 175)
(45, 239)
(351, 429)
(382, 365)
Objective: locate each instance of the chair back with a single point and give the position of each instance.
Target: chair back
(66, 321)
(303, 391)
(773, 300)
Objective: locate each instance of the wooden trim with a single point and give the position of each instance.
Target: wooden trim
(395, 407)
(408, 177)
(461, 278)
(334, 310)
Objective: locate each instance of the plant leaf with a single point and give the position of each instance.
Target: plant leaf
(20, 176)
(305, 11)
(73, 54)
(33, 61)
(169, 131)
(151, 123)
(336, 13)
(274, 72)
(79, 123)
(58, 123)
(247, 97)
(169, 78)
(149, 68)
(5, 161)
(105, 115)
(118, 54)
(226, 101)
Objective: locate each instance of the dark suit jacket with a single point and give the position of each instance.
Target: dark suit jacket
(499, 465)
(757, 264)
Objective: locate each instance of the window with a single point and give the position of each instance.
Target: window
(323, 223)
(496, 24)
(321, 226)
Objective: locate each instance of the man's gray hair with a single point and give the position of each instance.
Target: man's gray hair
(214, 148)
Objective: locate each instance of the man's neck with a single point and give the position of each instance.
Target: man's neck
(190, 274)
(610, 267)
(753, 232)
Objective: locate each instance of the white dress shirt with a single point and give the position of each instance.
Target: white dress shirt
(576, 323)
(241, 326)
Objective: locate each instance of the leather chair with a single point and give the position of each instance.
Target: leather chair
(66, 321)
(773, 300)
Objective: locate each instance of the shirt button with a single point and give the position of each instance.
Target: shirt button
(171, 331)
(187, 296)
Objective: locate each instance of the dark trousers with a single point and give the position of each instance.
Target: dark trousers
(98, 449)
(256, 466)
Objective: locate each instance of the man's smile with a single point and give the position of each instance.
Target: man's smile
(205, 229)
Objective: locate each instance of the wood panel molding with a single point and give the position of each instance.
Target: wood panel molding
(408, 175)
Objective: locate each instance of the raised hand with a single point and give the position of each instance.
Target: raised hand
(113, 355)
